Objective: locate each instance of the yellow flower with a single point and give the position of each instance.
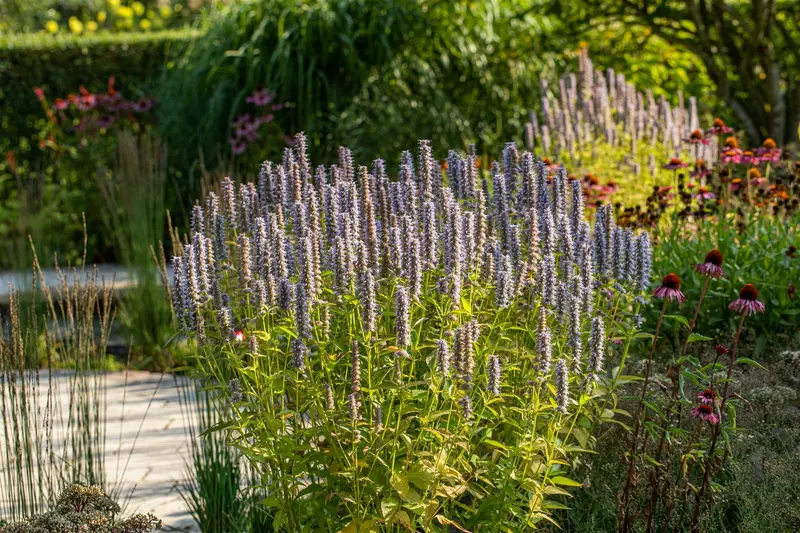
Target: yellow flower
(165, 11)
(145, 24)
(113, 3)
(138, 8)
(150, 14)
(51, 26)
(91, 26)
(125, 12)
(75, 25)
(101, 16)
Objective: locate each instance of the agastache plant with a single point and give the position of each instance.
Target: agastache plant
(400, 319)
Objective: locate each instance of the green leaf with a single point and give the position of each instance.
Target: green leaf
(678, 318)
(565, 481)
(748, 361)
(696, 337)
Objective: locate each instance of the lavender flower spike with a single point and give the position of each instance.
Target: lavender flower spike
(562, 386)
(402, 318)
(493, 375)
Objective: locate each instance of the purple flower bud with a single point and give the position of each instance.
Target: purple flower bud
(285, 294)
(493, 375)
(644, 261)
(355, 368)
(544, 346)
(302, 314)
(330, 404)
(562, 386)
(443, 357)
(596, 349)
(402, 317)
(299, 355)
(466, 407)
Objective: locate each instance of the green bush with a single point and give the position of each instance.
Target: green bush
(45, 185)
(61, 64)
(361, 73)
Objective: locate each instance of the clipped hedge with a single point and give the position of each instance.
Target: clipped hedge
(60, 64)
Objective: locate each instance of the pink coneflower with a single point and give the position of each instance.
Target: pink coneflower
(238, 145)
(747, 302)
(39, 93)
(700, 170)
(697, 137)
(61, 104)
(705, 412)
(748, 158)
(105, 121)
(732, 155)
(670, 288)
(260, 97)
(707, 397)
(719, 128)
(241, 120)
(675, 163)
(704, 194)
(142, 105)
(722, 350)
(769, 151)
(712, 265)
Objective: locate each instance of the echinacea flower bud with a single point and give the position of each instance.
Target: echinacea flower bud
(402, 317)
(562, 386)
(711, 265)
(747, 302)
(670, 288)
(493, 375)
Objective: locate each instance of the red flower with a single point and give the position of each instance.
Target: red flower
(39, 93)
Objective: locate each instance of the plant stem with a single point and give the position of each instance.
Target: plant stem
(623, 517)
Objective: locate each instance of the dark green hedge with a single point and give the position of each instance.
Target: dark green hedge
(61, 64)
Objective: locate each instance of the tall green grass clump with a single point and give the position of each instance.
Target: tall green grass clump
(363, 73)
(423, 353)
(45, 446)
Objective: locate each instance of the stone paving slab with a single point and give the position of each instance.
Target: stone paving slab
(145, 470)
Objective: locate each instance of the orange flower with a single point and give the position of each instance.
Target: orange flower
(732, 142)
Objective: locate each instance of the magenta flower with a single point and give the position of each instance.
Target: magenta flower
(277, 107)
(732, 155)
(704, 194)
(705, 412)
(748, 158)
(675, 163)
(105, 121)
(61, 104)
(238, 145)
(260, 97)
(143, 105)
(697, 137)
(707, 397)
(712, 265)
(719, 128)
(747, 302)
(670, 288)
(769, 152)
